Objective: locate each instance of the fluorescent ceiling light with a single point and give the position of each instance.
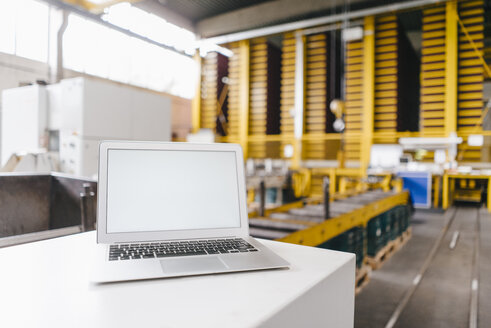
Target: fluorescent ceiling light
(207, 47)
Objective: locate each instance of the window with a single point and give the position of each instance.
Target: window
(31, 35)
(24, 28)
(7, 26)
(74, 44)
(92, 48)
(95, 49)
(151, 26)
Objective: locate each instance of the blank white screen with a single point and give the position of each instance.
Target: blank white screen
(159, 190)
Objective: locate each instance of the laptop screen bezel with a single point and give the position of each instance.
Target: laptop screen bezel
(108, 238)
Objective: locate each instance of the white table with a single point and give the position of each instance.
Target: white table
(45, 284)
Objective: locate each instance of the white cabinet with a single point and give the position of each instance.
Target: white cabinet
(95, 111)
(24, 121)
(317, 291)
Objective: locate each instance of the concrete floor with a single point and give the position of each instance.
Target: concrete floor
(485, 272)
(442, 299)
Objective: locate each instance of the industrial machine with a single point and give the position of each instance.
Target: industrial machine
(72, 116)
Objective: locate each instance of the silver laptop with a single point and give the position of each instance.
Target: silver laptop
(173, 209)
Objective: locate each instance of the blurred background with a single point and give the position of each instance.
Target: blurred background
(365, 127)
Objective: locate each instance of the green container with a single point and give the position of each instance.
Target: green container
(386, 227)
(401, 211)
(376, 234)
(380, 229)
(351, 241)
(393, 220)
(405, 216)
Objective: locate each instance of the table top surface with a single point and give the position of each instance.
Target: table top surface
(46, 284)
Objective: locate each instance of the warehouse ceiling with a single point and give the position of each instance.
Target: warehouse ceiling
(209, 18)
(197, 10)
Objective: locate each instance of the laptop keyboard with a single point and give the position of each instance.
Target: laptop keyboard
(179, 248)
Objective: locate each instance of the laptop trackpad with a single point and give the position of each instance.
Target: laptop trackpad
(193, 265)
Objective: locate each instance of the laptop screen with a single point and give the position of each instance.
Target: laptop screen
(168, 190)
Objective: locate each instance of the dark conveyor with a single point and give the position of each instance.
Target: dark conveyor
(441, 278)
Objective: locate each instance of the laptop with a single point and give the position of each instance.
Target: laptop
(173, 209)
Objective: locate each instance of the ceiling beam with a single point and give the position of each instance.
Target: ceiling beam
(262, 15)
(312, 22)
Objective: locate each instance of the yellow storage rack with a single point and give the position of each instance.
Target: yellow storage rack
(354, 99)
(451, 88)
(433, 71)
(258, 95)
(234, 93)
(315, 94)
(208, 110)
(287, 96)
(385, 111)
(470, 75)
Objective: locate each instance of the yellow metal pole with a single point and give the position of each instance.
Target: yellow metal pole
(451, 53)
(340, 156)
(251, 194)
(297, 154)
(445, 192)
(368, 91)
(489, 195)
(436, 192)
(342, 185)
(386, 183)
(332, 181)
(244, 96)
(452, 189)
(398, 184)
(196, 102)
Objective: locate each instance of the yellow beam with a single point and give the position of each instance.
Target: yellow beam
(332, 181)
(451, 68)
(279, 209)
(489, 195)
(477, 126)
(328, 229)
(196, 102)
(368, 90)
(436, 191)
(269, 137)
(244, 54)
(473, 44)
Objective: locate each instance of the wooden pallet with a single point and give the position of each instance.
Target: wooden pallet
(388, 250)
(403, 238)
(382, 255)
(362, 277)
